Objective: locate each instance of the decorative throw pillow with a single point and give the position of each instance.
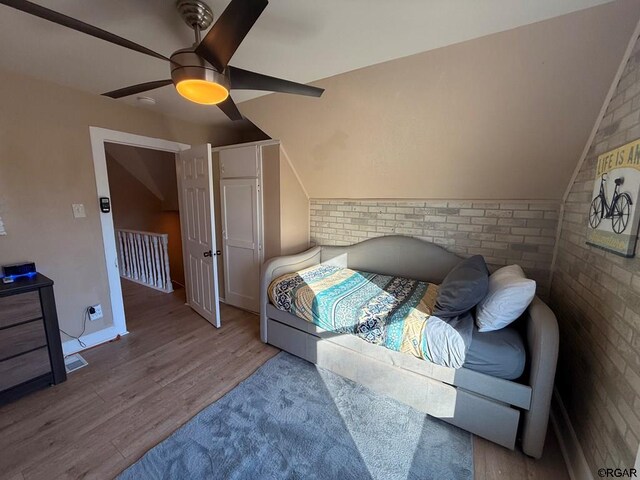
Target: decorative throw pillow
(510, 293)
(463, 288)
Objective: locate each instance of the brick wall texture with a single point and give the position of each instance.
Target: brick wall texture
(504, 232)
(596, 296)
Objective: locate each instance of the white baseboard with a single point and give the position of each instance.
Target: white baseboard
(90, 340)
(569, 444)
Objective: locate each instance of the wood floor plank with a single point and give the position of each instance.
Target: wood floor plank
(80, 460)
(139, 389)
(35, 439)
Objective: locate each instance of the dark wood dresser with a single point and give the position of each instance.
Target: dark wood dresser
(30, 348)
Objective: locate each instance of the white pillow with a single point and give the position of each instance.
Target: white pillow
(510, 293)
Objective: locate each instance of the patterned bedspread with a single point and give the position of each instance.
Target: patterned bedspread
(394, 312)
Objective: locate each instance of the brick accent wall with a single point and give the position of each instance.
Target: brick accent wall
(596, 296)
(504, 232)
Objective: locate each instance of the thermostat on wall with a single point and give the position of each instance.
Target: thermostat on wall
(105, 205)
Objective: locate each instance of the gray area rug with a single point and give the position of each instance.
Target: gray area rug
(293, 420)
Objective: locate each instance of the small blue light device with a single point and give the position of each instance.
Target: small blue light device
(18, 270)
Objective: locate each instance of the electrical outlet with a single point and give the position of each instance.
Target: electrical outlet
(97, 312)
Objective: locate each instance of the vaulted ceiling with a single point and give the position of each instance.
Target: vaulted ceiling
(302, 40)
(505, 116)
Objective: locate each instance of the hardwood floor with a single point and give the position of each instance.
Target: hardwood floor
(139, 389)
(491, 461)
(133, 393)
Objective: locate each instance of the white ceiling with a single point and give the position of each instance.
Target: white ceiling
(301, 40)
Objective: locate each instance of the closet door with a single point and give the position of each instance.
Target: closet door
(240, 205)
(240, 162)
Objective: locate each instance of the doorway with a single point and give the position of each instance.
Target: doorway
(199, 157)
(146, 216)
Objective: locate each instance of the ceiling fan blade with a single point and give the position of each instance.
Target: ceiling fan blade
(224, 38)
(80, 26)
(245, 80)
(230, 109)
(133, 89)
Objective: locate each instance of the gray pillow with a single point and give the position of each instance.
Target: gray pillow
(463, 288)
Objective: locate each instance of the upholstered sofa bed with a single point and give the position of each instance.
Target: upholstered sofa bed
(500, 410)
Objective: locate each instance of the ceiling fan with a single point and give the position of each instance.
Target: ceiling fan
(200, 73)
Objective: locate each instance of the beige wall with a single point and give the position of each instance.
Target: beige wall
(596, 297)
(133, 206)
(46, 165)
(503, 116)
(155, 169)
(271, 201)
(294, 211)
(169, 222)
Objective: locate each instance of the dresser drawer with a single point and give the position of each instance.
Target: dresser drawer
(19, 308)
(25, 367)
(22, 338)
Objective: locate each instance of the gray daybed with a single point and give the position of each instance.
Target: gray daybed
(497, 409)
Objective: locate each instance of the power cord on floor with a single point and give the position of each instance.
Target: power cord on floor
(84, 327)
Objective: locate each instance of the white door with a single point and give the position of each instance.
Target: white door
(195, 182)
(240, 206)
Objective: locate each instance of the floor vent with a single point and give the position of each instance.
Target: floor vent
(74, 362)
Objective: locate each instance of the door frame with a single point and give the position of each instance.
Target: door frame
(99, 136)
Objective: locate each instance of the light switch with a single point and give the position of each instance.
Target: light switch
(78, 210)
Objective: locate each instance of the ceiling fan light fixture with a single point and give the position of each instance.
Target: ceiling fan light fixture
(196, 80)
(202, 91)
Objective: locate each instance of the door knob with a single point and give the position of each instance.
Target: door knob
(218, 252)
(207, 254)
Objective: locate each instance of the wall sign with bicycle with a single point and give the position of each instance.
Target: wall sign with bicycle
(613, 213)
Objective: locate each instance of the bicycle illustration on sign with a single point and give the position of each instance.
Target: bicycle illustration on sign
(618, 210)
(613, 213)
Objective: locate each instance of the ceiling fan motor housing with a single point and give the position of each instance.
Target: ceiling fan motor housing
(187, 65)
